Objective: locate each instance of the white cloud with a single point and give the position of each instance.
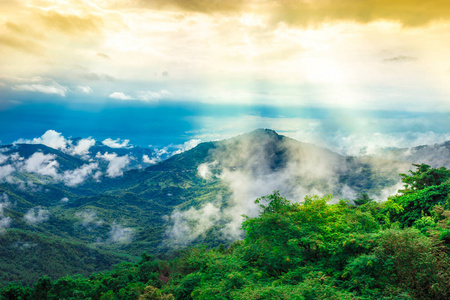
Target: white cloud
(64, 200)
(79, 175)
(44, 164)
(3, 158)
(146, 96)
(120, 96)
(50, 138)
(148, 160)
(187, 146)
(54, 88)
(4, 221)
(348, 193)
(117, 143)
(190, 224)
(120, 234)
(203, 171)
(168, 151)
(88, 219)
(56, 140)
(116, 163)
(158, 156)
(250, 169)
(5, 171)
(149, 96)
(36, 215)
(83, 146)
(97, 175)
(84, 89)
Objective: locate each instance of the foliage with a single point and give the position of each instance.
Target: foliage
(319, 248)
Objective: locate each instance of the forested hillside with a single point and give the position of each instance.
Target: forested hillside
(71, 198)
(310, 249)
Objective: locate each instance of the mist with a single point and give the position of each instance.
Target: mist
(256, 164)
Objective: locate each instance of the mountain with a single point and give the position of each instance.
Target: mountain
(436, 155)
(26, 151)
(197, 196)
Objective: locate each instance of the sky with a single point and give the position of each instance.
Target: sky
(350, 75)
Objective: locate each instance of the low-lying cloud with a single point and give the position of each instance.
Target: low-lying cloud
(43, 164)
(190, 224)
(36, 215)
(79, 175)
(116, 163)
(89, 219)
(5, 221)
(117, 143)
(121, 234)
(56, 140)
(255, 165)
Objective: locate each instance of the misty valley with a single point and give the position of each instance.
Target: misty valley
(256, 216)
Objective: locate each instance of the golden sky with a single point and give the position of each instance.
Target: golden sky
(372, 54)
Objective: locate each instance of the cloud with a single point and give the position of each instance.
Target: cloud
(117, 143)
(186, 146)
(82, 147)
(120, 234)
(71, 24)
(255, 165)
(77, 176)
(103, 55)
(43, 164)
(94, 76)
(203, 6)
(6, 171)
(203, 170)
(5, 222)
(36, 215)
(120, 96)
(3, 158)
(55, 88)
(21, 44)
(84, 89)
(148, 160)
(409, 13)
(116, 163)
(50, 138)
(88, 219)
(190, 224)
(56, 140)
(160, 155)
(23, 29)
(24, 245)
(149, 96)
(369, 143)
(64, 200)
(146, 96)
(400, 58)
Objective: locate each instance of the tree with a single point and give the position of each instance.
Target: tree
(42, 288)
(362, 199)
(423, 177)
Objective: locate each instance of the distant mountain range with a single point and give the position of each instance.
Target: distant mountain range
(97, 206)
(437, 155)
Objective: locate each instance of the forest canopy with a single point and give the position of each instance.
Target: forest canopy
(319, 248)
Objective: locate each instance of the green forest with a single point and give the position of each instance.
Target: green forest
(320, 248)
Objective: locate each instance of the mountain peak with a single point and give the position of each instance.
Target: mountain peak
(261, 133)
(266, 131)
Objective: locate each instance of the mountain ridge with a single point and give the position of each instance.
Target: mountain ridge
(163, 207)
